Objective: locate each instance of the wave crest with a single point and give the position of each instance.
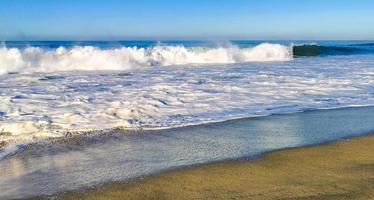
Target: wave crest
(36, 59)
(317, 50)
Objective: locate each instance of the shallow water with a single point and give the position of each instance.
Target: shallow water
(120, 156)
(43, 105)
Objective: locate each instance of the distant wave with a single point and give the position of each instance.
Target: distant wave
(364, 44)
(36, 59)
(317, 50)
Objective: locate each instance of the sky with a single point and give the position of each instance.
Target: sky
(185, 19)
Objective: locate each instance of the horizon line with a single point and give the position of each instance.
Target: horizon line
(180, 39)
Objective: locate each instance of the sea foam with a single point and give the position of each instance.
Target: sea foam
(148, 95)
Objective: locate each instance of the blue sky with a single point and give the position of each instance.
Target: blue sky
(186, 19)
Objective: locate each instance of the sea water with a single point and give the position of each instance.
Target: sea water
(58, 89)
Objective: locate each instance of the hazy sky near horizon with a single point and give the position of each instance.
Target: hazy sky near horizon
(186, 19)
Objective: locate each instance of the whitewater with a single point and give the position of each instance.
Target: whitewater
(36, 59)
(56, 92)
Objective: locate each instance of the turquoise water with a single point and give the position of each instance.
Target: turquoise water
(45, 169)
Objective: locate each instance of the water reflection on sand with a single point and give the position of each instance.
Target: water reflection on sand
(120, 156)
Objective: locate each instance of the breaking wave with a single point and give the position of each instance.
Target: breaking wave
(37, 59)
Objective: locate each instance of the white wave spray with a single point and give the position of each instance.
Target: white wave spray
(36, 59)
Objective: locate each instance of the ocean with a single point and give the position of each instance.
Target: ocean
(57, 89)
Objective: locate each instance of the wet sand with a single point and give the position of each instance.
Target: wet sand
(339, 170)
(88, 162)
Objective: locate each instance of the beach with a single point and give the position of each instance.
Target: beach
(339, 170)
(227, 156)
(186, 100)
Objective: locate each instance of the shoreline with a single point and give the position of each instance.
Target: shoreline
(236, 176)
(130, 158)
(86, 134)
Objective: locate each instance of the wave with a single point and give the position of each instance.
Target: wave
(36, 59)
(317, 50)
(364, 44)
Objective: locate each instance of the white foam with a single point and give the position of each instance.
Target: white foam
(35, 59)
(43, 105)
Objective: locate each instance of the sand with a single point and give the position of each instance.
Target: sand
(340, 170)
